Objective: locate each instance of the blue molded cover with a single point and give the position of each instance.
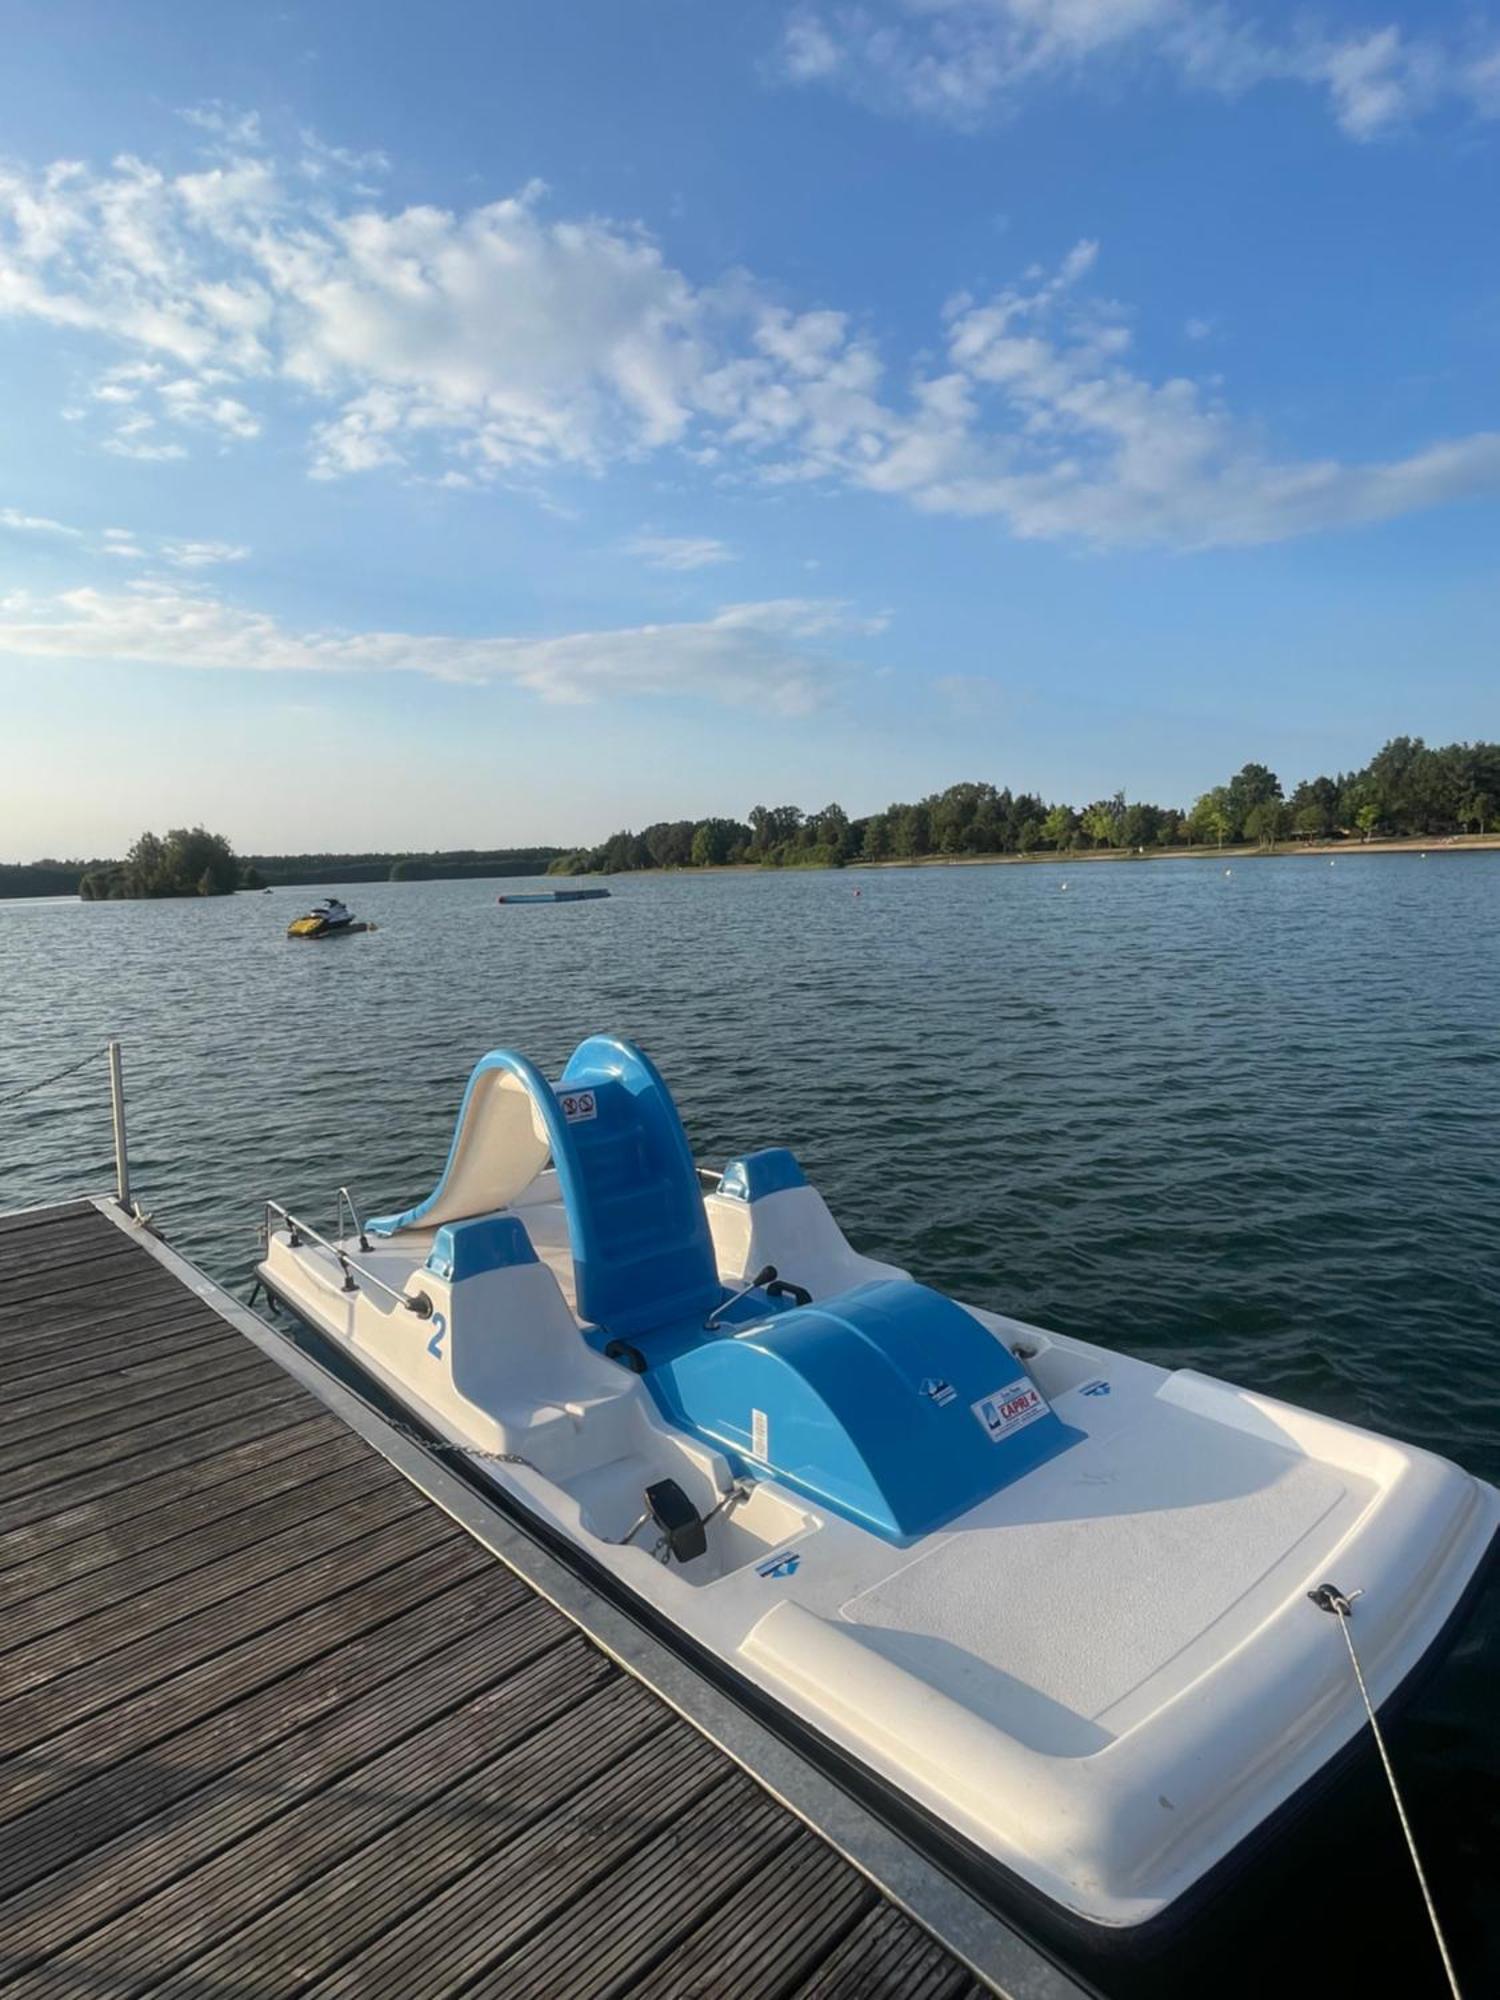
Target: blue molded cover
(484, 1243)
(888, 1404)
(769, 1171)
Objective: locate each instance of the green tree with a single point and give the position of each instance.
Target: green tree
(1139, 825)
(1267, 821)
(911, 831)
(1367, 819)
(189, 861)
(715, 842)
(1059, 827)
(875, 843)
(1211, 818)
(1252, 786)
(831, 829)
(1315, 808)
(1101, 821)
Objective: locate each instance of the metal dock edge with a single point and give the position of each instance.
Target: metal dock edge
(273, 1724)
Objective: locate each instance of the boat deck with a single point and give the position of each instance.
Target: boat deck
(273, 1721)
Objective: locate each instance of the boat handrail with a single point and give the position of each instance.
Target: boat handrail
(417, 1303)
(346, 1200)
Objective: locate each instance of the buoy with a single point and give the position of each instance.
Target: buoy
(1228, 871)
(859, 892)
(1065, 885)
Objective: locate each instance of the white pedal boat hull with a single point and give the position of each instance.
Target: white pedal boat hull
(1101, 1679)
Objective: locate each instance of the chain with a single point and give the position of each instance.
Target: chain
(437, 1446)
(56, 1077)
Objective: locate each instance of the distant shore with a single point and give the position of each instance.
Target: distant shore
(1331, 850)
(1475, 843)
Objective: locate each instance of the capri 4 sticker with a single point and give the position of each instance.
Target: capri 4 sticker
(1009, 1409)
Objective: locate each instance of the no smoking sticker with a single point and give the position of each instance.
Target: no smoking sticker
(578, 1105)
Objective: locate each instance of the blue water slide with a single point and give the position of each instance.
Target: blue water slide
(642, 1255)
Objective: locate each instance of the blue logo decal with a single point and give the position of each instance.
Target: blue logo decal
(779, 1566)
(938, 1391)
(439, 1328)
(1099, 1388)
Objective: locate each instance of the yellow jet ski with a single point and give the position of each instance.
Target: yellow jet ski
(326, 919)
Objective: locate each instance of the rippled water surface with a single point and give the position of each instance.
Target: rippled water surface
(1247, 1121)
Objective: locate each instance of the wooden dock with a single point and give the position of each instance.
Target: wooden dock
(281, 1712)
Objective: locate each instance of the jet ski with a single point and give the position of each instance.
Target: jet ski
(1058, 1606)
(326, 919)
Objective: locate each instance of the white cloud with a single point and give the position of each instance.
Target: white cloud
(202, 555)
(1043, 421)
(222, 122)
(779, 655)
(680, 552)
(963, 61)
(127, 544)
(34, 524)
(502, 343)
(321, 162)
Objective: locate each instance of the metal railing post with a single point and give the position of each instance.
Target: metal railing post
(117, 1107)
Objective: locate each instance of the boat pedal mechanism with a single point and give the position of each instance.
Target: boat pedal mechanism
(678, 1519)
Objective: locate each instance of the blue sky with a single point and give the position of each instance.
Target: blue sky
(482, 424)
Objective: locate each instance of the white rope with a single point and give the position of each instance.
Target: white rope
(1329, 1598)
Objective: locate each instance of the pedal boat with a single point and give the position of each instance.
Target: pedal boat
(1054, 1601)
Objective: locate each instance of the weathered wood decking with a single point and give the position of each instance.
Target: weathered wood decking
(273, 1723)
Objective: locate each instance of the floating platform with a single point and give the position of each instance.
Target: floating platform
(288, 1706)
(558, 896)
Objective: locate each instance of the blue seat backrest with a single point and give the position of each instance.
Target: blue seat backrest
(642, 1254)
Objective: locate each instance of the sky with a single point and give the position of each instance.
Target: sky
(476, 424)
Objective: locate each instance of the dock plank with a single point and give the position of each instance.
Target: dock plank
(274, 1723)
(306, 1496)
(308, 1454)
(86, 1517)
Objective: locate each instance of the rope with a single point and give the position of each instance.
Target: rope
(56, 1077)
(1328, 1597)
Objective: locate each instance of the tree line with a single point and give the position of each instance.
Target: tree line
(188, 861)
(1406, 789)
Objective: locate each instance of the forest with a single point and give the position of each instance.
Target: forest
(188, 861)
(180, 865)
(1406, 789)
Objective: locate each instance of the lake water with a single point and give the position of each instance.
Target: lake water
(1247, 1122)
